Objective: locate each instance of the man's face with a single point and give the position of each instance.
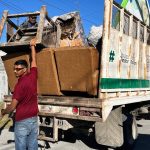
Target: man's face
(19, 70)
(32, 19)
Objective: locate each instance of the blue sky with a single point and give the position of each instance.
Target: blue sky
(91, 11)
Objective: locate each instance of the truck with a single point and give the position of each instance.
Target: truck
(97, 91)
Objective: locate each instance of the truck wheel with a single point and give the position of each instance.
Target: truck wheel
(130, 131)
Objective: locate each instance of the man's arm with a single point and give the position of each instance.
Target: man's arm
(10, 108)
(33, 53)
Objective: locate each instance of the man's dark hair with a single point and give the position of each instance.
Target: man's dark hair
(21, 62)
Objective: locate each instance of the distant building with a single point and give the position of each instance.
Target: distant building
(3, 81)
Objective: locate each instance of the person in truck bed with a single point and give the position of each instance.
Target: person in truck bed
(30, 23)
(24, 100)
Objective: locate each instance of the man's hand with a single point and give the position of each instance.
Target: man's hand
(1, 113)
(33, 42)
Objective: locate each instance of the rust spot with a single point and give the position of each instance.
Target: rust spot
(127, 94)
(145, 71)
(120, 38)
(129, 74)
(129, 49)
(119, 67)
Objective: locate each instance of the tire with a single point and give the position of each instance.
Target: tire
(130, 132)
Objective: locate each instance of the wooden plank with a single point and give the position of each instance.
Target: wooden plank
(15, 26)
(85, 118)
(18, 46)
(71, 101)
(3, 21)
(51, 21)
(90, 109)
(66, 101)
(79, 103)
(12, 24)
(5, 45)
(55, 129)
(23, 15)
(105, 41)
(58, 35)
(17, 43)
(45, 138)
(41, 24)
(8, 99)
(10, 31)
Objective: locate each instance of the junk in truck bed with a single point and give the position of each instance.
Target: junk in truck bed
(60, 70)
(19, 38)
(66, 64)
(66, 30)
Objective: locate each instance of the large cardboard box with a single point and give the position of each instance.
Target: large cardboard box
(47, 74)
(48, 83)
(77, 69)
(9, 61)
(61, 69)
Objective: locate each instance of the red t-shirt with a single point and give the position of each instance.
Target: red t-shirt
(25, 92)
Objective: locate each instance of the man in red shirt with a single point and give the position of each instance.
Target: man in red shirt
(24, 100)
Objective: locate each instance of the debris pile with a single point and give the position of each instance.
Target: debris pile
(66, 63)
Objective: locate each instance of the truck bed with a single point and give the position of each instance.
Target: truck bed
(89, 109)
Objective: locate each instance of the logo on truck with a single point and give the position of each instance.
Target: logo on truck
(124, 58)
(111, 56)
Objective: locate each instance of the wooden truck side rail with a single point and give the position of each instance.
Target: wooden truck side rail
(102, 108)
(92, 105)
(124, 64)
(13, 30)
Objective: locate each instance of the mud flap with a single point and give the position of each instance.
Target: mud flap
(130, 131)
(110, 132)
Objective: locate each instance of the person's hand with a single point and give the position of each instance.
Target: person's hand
(33, 42)
(2, 112)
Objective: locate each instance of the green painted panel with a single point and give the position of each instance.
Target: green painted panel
(114, 83)
(124, 3)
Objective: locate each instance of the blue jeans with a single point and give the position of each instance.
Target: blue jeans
(26, 132)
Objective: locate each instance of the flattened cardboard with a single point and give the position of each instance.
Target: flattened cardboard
(48, 83)
(9, 61)
(76, 69)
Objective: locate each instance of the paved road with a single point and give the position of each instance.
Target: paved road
(143, 141)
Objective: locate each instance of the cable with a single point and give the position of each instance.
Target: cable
(54, 6)
(76, 2)
(9, 6)
(21, 9)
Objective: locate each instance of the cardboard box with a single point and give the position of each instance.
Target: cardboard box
(76, 69)
(48, 83)
(47, 74)
(61, 69)
(9, 61)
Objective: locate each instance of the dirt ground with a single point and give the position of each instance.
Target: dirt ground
(7, 139)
